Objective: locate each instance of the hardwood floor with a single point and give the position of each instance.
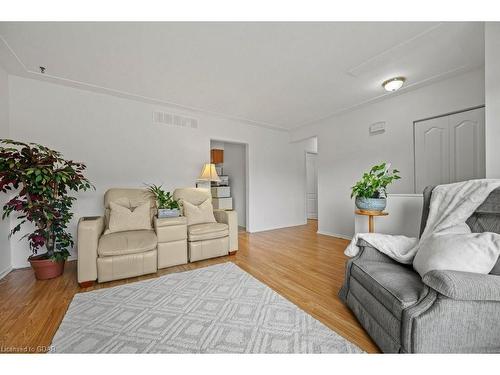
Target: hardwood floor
(305, 267)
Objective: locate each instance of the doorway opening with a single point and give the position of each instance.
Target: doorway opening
(310, 147)
(311, 185)
(231, 193)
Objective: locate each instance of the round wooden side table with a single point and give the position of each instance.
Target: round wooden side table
(370, 215)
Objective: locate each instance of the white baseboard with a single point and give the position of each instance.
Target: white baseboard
(274, 228)
(5, 272)
(338, 235)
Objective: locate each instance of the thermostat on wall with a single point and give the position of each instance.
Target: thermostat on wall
(377, 128)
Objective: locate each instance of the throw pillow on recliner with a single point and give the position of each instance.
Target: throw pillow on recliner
(466, 252)
(124, 219)
(204, 213)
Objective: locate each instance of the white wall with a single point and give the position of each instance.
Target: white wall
(234, 167)
(121, 146)
(492, 89)
(346, 149)
(309, 145)
(5, 259)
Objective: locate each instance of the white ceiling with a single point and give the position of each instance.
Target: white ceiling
(284, 75)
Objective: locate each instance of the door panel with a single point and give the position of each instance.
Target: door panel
(431, 153)
(449, 149)
(312, 186)
(467, 154)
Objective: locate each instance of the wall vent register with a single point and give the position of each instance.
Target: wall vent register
(174, 120)
(377, 128)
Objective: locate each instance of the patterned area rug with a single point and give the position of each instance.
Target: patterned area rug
(217, 309)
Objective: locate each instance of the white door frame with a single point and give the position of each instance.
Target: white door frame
(305, 185)
(247, 175)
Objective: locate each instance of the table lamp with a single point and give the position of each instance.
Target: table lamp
(207, 175)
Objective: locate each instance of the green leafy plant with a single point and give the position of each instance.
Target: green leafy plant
(42, 179)
(374, 183)
(164, 200)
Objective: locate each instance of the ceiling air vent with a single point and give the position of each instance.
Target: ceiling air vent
(174, 120)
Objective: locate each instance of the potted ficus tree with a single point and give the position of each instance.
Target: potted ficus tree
(165, 202)
(371, 190)
(41, 180)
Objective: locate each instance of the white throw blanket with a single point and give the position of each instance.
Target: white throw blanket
(450, 206)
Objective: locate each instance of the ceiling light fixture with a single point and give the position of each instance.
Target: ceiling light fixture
(393, 84)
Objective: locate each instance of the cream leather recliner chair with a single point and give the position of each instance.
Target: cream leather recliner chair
(209, 240)
(116, 255)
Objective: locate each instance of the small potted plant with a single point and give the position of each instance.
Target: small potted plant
(41, 180)
(371, 190)
(165, 202)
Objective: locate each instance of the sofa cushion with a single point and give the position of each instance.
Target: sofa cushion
(123, 219)
(394, 285)
(207, 231)
(203, 213)
(130, 242)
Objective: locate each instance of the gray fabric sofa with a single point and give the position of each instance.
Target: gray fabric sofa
(443, 312)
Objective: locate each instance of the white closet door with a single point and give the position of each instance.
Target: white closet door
(312, 186)
(449, 149)
(467, 154)
(432, 165)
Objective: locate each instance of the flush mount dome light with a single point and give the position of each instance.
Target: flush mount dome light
(393, 84)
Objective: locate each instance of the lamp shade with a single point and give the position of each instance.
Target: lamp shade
(208, 173)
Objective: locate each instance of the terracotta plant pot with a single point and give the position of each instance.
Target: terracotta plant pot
(45, 268)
